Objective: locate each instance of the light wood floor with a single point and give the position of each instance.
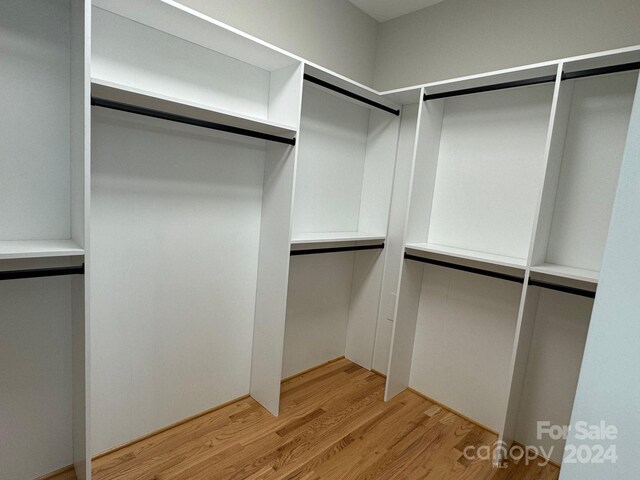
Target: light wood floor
(333, 425)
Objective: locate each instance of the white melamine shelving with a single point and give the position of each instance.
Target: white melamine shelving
(586, 146)
(478, 167)
(521, 178)
(39, 248)
(171, 186)
(163, 50)
(479, 164)
(335, 237)
(570, 273)
(582, 175)
(43, 223)
(196, 273)
(459, 253)
(136, 97)
(343, 188)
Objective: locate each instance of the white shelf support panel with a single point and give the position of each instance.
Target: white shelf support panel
(334, 242)
(16, 249)
(44, 188)
(129, 99)
(273, 262)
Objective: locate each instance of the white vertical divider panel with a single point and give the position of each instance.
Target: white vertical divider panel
(394, 244)
(558, 119)
(404, 329)
(377, 188)
(422, 181)
(275, 244)
(518, 364)
(80, 201)
(284, 86)
(426, 155)
(546, 201)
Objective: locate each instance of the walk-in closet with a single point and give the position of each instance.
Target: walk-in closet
(231, 250)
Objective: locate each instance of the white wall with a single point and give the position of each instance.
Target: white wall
(331, 33)
(609, 385)
(462, 37)
(172, 292)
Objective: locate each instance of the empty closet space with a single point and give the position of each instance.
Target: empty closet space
(556, 326)
(343, 187)
(40, 208)
(464, 335)
(589, 135)
(42, 238)
(478, 170)
(191, 187)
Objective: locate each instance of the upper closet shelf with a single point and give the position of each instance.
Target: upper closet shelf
(335, 237)
(16, 249)
(463, 254)
(571, 273)
(130, 99)
(183, 22)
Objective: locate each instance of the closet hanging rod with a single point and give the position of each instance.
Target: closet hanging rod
(562, 288)
(491, 88)
(147, 112)
(349, 94)
(465, 268)
(42, 272)
(313, 251)
(623, 67)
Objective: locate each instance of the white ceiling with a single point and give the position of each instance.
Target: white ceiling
(383, 10)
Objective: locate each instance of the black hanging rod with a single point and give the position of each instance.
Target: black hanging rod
(562, 288)
(42, 272)
(147, 112)
(313, 251)
(491, 88)
(465, 268)
(624, 67)
(349, 94)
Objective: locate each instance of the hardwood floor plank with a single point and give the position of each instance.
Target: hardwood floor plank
(333, 424)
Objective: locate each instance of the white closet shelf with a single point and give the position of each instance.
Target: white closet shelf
(335, 237)
(16, 249)
(128, 95)
(188, 24)
(473, 255)
(571, 273)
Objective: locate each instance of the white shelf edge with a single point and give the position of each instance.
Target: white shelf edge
(570, 273)
(507, 71)
(19, 249)
(130, 95)
(335, 237)
(482, 257)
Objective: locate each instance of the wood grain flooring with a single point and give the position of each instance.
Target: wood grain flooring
(333, 424)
